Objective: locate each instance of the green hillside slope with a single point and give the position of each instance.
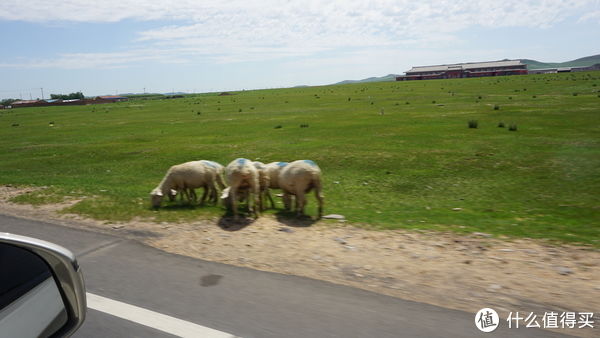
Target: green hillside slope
(582, 62)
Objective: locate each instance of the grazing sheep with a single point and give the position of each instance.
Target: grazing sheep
(184, 178)
(297, 179)
(218, 169)
(273, 169)
(242, 177)
(263, 183)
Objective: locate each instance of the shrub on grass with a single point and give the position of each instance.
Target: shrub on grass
(473, 124)
(496, 107)
(575, 94)
(279, 126)
(512, 127)
(501, 124)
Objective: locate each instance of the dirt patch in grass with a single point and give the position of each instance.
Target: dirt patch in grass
(465, 272)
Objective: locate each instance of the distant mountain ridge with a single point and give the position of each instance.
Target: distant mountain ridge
(389, 77)
(581, 62)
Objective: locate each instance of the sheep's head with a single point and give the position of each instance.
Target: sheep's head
(156, 197)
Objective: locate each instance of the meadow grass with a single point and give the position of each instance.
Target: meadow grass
(393, 154)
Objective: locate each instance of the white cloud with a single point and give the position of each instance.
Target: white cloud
(591, 16)
(242, 30)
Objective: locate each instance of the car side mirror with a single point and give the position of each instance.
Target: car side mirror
(42, 293)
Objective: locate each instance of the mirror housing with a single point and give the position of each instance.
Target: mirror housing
(66, 274)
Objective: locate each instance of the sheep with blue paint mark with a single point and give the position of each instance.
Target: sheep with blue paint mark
(242, 177)
(297, 179)
(273, 169)
(184, 178)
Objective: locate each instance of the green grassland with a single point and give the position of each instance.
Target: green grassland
(393, 154)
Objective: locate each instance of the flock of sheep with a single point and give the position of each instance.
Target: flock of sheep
(245, 180)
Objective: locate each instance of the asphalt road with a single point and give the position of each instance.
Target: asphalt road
(238, 301)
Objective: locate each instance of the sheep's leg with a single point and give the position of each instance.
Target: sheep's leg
(203, 199)
(268, 193)
(319, 197)
(233, 202)
(261, 200)
(254, 191)
(193, 196)
(214, 193)
(300, 203)
(185, 192)
(287, 201)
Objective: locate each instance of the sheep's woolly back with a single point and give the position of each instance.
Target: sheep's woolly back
(273, 169)
(218, 169)
(240, 169)
(301, 175)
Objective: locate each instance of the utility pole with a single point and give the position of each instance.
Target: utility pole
(42, 89)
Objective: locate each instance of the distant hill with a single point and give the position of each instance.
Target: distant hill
(389, 77)
(582, 62)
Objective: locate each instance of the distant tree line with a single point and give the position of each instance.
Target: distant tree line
(7, 102)
(72, 96)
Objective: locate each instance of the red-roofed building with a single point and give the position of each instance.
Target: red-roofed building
(461, 70)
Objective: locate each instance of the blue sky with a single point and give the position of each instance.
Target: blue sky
(200, 46)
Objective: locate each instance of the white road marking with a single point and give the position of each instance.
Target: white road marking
(152, 319)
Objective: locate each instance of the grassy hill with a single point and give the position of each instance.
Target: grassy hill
(582, 62)
(394, 154)
(389, 77)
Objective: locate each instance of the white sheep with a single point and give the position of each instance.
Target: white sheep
(218, 169)
(184, 178)
(242, 177)
(273, 169)
(263, 183)
(297, 179)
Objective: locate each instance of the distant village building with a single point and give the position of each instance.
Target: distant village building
(27, 103)
(463, 70)
(71, 102)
